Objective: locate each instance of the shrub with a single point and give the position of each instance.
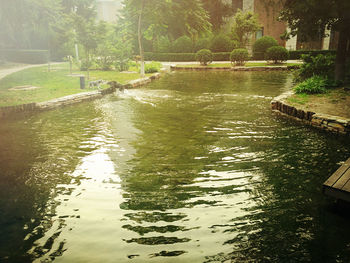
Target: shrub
(321, 65)
(204, 56)
(221, 56)
(105, 63)
(221, 43)
(178, 57)
(25, 56)
(182, 44)
(313, 85)
(297, 54)
(153, 67)
(262, 45)
(277, 54)
(163, 45)
(239, 56)
(122, 65)
(202, 43)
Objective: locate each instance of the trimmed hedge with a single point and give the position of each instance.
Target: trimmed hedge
(183, 57)
(224, 56)
(25, 56)
(296, 54)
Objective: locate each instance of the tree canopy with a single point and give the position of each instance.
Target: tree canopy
(309, 18)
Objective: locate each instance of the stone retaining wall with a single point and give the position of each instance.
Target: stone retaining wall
(263, 68)
(334, 124)
(74, 98)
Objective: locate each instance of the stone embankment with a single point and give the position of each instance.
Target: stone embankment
(74, 98)
(260, 68)
(334, 124)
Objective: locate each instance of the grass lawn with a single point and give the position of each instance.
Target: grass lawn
(249, 64)
(334, 102)
(54, 84)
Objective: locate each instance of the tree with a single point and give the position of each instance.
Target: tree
(140, 39)
(170, 18)
(218, 11)
(309, 18)
(245, 23)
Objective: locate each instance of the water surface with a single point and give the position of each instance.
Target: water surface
(192, 168)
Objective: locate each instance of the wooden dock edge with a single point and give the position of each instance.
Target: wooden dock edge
(335, 193)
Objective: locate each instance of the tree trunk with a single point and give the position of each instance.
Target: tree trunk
(140, 40)
(340, 61)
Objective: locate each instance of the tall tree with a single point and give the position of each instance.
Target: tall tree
(309, 18)
(171, 18)
(139, 36)
(218, 11)
(245, 23)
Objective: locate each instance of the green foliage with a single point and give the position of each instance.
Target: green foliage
(297, 54)
(218, 10)
(165, 18)
(163, 45)
(202, 43)
(321, 65)
(170, 56)
(153, 67)
(25, 56)
(261, 45)
(178, 57)
(313, 85)
(308, 19)
(182, 44)
(204, 56)
(277, 54)
(221, 43)
(239, 56)
(245, 23)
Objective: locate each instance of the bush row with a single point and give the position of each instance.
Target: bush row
(296, 54)
(25, 56)
(182, 57)
(225, 56)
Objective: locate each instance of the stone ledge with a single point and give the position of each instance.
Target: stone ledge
(330, 123)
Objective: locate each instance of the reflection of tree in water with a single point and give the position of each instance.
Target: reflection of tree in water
(172, 135)
(177, 142)
(294, 222)
(36, 156)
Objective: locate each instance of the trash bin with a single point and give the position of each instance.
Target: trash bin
(82, 82)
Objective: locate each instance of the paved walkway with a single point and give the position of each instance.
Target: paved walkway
(7, 71)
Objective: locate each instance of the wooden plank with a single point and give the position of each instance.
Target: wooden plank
(342, 180)
(346, 187)
(338, 174)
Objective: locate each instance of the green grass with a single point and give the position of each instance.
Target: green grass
(299, 99)
(52, 84)
(249, 64)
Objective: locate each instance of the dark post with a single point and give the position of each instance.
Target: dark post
(82, 82)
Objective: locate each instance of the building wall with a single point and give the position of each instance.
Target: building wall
(237, 4)
(268, 12)
(248, 5)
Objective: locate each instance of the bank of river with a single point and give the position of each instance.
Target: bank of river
(190, 168)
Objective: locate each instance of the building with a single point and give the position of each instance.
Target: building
(268, 12)
(108, 10)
